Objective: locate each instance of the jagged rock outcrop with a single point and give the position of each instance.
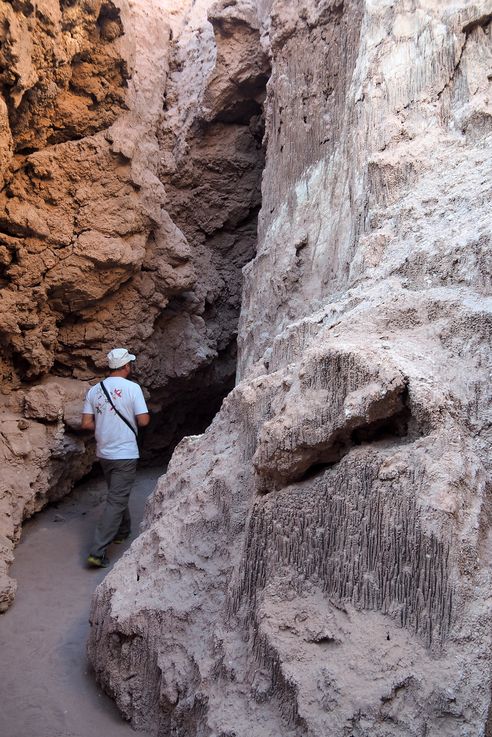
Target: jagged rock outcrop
(317, 563)
(119, 222)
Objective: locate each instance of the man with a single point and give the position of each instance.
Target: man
(115, 409)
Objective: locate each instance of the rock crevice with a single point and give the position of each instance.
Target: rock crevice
(119, 225)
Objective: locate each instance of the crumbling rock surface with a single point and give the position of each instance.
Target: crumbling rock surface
(100, 176)
(317, 563)
(41, 456)
(340, 397)
(211, 168)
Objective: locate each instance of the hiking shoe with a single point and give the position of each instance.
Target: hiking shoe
(94, 562)
(120, 539)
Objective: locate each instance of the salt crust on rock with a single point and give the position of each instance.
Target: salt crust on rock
(318, 562)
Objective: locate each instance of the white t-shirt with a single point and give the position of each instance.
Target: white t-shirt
(115, 440)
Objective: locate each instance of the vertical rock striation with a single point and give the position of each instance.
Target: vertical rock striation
(317, 563)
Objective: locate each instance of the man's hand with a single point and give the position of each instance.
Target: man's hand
(87, 422)
(143, 420)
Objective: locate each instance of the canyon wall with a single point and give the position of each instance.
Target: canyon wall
(317, 562)
(130, 188)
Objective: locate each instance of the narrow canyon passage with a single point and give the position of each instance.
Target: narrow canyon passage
(48, 689)
(283, 211)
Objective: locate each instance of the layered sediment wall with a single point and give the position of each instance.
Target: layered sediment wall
(317, 562)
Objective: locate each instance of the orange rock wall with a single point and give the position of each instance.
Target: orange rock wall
(128, 208)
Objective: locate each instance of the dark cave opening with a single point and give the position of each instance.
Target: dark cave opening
(189, 410)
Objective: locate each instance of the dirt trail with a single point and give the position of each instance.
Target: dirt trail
(47, 689)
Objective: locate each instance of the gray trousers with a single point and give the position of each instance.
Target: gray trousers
(115, 520)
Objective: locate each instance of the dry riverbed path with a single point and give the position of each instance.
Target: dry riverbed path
(47, 687)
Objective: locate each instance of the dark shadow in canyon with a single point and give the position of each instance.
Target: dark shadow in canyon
(214, 198)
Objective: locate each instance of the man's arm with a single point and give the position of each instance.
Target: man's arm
(143, 419)
(87, 422)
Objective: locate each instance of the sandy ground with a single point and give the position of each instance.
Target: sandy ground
(47, 688)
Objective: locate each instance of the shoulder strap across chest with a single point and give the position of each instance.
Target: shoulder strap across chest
(127, 422)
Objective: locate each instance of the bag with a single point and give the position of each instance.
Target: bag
(127, 422)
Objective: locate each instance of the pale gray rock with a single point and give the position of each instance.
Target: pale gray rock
(318, 562)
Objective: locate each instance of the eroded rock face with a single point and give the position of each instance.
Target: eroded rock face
(317, 563)
(41, 455)
(101, 174)
(211, 165)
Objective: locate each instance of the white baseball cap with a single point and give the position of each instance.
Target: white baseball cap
(119, 357)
